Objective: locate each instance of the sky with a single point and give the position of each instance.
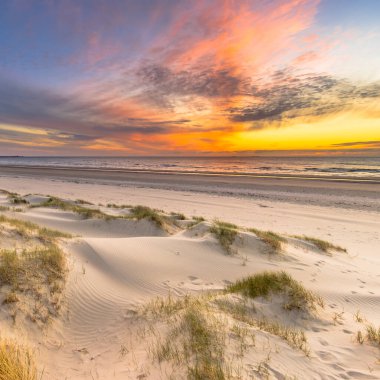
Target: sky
(189, 77)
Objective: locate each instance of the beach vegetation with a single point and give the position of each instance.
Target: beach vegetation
(323, 245)
(83, 202)
(16, 362)
(373, 334)
(114, 205)
(226, 234)
(272, 283)
(273, 240)
(143, 212)
(196, 339)
(178, 216)
(85, 212)
(240, 311)
(195, 220)
(16, 199)
(36, 273)
(28, 229)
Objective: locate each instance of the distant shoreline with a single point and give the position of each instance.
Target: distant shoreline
(346, 193)
(328, 178)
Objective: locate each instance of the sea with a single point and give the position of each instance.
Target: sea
(367, 167)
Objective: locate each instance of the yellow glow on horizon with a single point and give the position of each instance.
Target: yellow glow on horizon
(312, 134)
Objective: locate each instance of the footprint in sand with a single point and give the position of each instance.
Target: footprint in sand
(326, 356)
(323, 342)
(318, 329)
(353, 292)
(195, 280)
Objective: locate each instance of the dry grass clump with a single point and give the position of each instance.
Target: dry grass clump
(178, 215)
(35, 275)
(83, 202)
(323, 245)
(205, 344)
(268, 283)
(294, 337)
(29, 229)
(144, 212)
(16, 199)
(16, 363)
(38, 274)
(195, 221)
(4, 208)
(195, 340)
(372, 334)
(226, 234)
(114, 205)
(85, 212)
(270, 238)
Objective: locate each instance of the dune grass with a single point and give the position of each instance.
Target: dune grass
(323, 245)
(114, 205)
(373, 334)
(143, 212)
(85, 212)
(16, 363)
(29, 229)
(195, 221)
(16, 199)
(37, 273)
(268, 283)
(226, 234)
(205, 343)
(16, 269)
(273, 240)
(178, 215)
(195, 341)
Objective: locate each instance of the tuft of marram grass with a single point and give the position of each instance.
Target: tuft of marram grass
(268, 283)
(37, 273)
(178, 215)
(295, 338)
(270, 238)
(195, 341)
(226, 234)
(16, 363)
(323, 245)
(27, 229)
(373, 334)
(143, 212)
(16, 199)
(85, 212)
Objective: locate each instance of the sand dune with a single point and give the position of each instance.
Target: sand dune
(117, 266)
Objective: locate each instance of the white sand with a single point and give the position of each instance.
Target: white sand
(118, 265)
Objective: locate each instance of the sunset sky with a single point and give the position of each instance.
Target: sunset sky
(192, 77)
